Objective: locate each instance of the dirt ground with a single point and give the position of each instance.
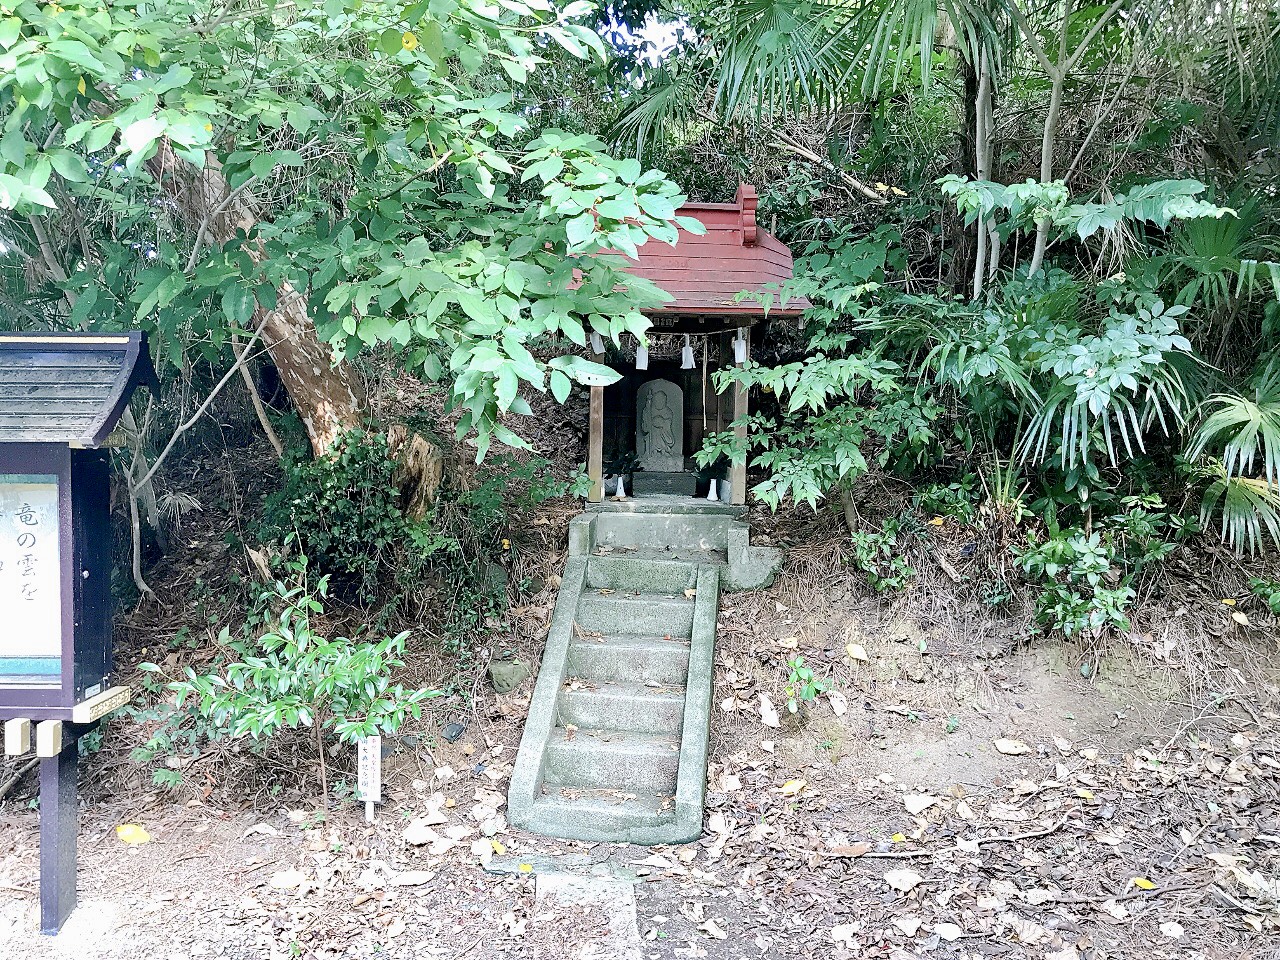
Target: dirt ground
(958, 791)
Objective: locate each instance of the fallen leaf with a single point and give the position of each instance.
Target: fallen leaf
(1027, 931)
(949, 932)
(918, 803)
(1142, 883)
(412, 878)
(846, 935)
(768, 712)
(419, 831)
(856, 651)
(266, 829)
(1240, 618)
(1172, 930)
(1229, 601)
(766, 746)
(712, 929)
(908, 924)
(851, 849)
(1117, 911)
(839, 703)
(288, 879)
(793, 787)
(903, 880)
(1011, 748)
(132, 834)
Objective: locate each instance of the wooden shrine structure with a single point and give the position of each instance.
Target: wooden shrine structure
(645, 414)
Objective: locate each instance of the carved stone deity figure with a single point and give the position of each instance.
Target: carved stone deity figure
(660, 426)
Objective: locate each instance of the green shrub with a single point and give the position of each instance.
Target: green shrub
(345, 510)
(802, 686)
(1087, 579)
(1268, 591)
(1075, 570)
(290, 676)
(877, 555)
(958, 499)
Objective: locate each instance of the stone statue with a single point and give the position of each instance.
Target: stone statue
(660, 426)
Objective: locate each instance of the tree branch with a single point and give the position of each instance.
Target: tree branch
(1101, 22)
(827, 165)
(212, 215)
(1030, 36)
(243, 358)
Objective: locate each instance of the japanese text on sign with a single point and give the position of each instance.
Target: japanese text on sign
(30, 581)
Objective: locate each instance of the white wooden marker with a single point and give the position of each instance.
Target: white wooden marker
(17, 737)
(369, 774)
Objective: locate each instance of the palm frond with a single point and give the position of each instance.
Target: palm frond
(1125, 420)
(1247, 428)
(894, 32)
(1250, 511)
(1219, 259)
(782, 56)
(667, 98)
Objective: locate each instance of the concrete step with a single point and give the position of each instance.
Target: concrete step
(630, 658)
(685, 554)
(632, 707)
(660, 503)
(681, 531)
(613, 759)
(601, 814)
(646, 614)
(641, 574)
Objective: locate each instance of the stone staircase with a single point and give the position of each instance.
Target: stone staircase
(615, 746)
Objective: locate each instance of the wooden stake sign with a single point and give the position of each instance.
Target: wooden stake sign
(61, 395)
(369, 774)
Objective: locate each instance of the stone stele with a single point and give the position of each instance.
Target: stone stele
(660, 426)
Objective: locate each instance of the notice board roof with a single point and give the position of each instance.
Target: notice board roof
(68, 387)
(704, 274)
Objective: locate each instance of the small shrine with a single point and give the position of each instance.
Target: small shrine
(646, 428)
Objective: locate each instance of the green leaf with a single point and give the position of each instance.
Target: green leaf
(560, 386)
(581, 229)
(262, 164)
(237, 304)
(69, 166)
(100, 136)
(141, 135)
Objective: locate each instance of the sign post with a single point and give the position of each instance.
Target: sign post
(61, 395)
(369, 774)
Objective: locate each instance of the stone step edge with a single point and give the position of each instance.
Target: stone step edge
(527, 808)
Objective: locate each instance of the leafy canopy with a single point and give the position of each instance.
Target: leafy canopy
(373, 158)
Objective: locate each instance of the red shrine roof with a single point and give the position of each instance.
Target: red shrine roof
(705, 273)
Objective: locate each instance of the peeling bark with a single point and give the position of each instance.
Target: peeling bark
(323, 389)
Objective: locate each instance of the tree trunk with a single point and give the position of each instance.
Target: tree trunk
(1046, 162)
(982, 113)
(964, 252)
(323, 389)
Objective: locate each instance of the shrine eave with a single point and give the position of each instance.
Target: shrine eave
(715, 320)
